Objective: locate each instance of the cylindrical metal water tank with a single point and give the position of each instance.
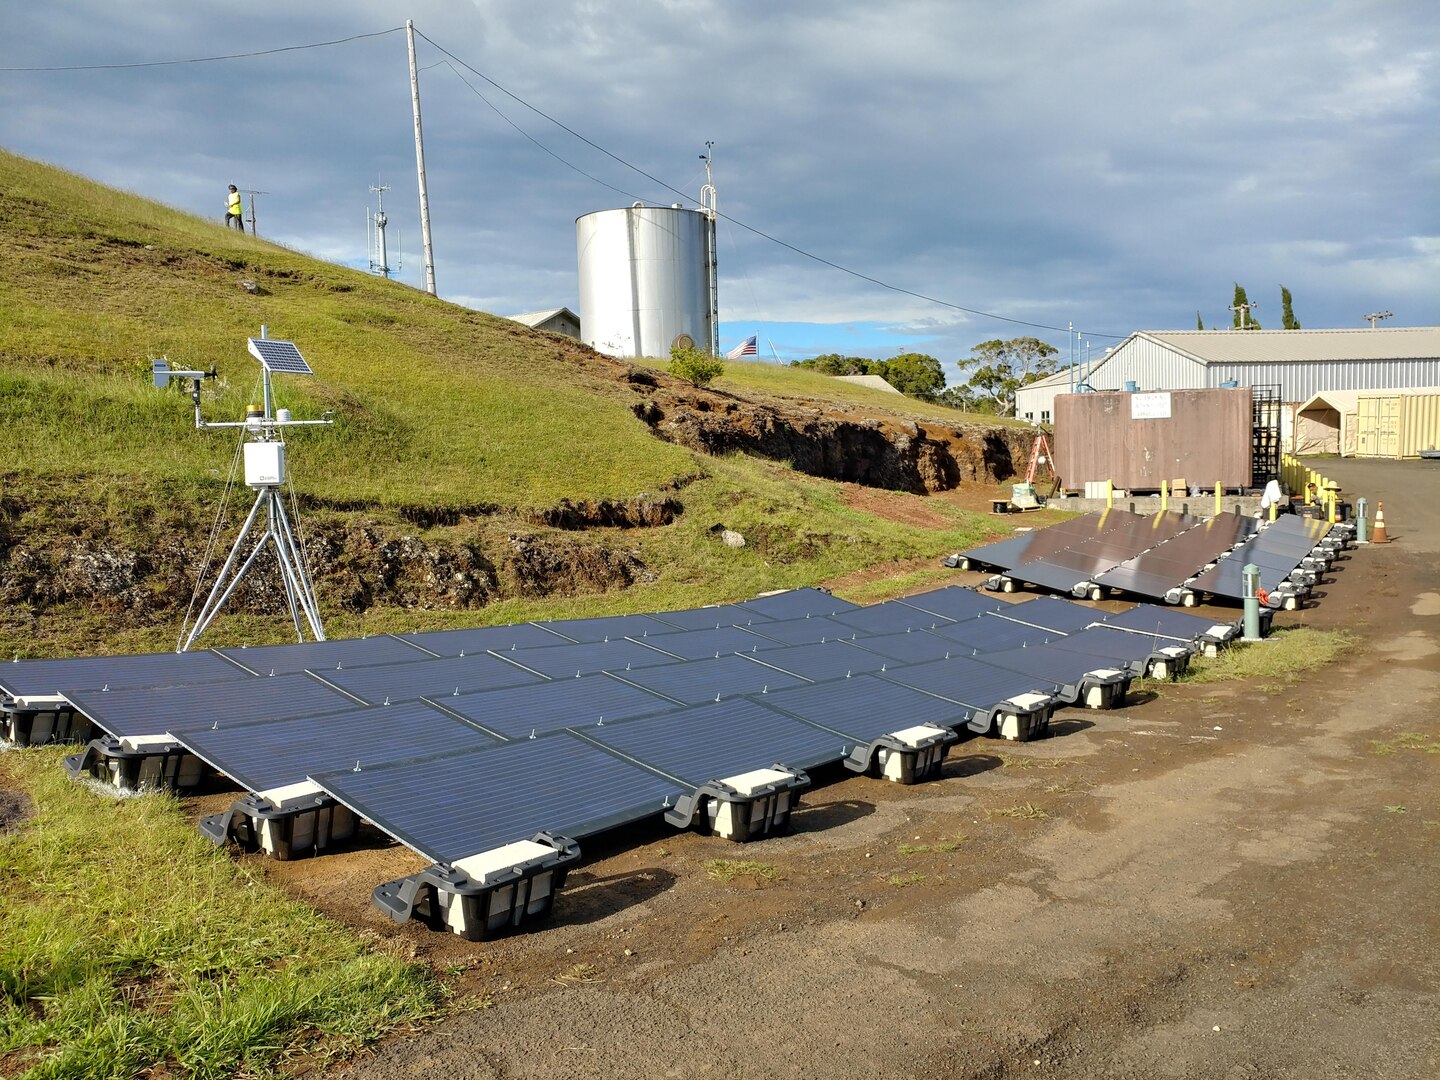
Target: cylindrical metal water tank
(644, 279)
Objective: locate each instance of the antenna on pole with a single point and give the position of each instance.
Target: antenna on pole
(252, 193)
(265, 472)
(379, 263)
(420, 162)
(708, 208)
(1243, 310)
(1376, 316)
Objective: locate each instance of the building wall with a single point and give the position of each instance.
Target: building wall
(1302, 379)
(561, 323)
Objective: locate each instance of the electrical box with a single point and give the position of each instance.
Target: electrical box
(264, 464)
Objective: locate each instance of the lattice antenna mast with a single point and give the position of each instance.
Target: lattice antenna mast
(1376, 316)
(379, 262)
(264, 426)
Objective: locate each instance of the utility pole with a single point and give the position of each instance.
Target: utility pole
(1244, 310)
(252, 193)
(708, 207)
(1376, 316)
(420, 162)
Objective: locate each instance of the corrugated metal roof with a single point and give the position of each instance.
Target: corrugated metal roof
(1290, 346)
(535, 318)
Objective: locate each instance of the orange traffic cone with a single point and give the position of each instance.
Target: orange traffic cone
(1377, 534)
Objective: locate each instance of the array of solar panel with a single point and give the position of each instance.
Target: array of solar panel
(953, 602)
(278, 355)
(375, 684)
(606, 627)
(1132, 652)
(968, 682)
(1041, 543)
(712, 641)
(720, 740)
(825, 660)
(1050, 613)
(1102, 552)
(269, 754)
(158, 710)
(797, 604)
(865, 707)
(989, 631)
(914, 647)
(1059, 671)
(890, 617)
(522, 712)
(450, 806)
(1165, 622)
(707, 618)
(804, 631)
(29, 678)
(1156, 572)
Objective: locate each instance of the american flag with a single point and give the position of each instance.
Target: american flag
(745, 348)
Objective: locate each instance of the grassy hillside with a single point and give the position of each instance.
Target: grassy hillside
(443, 415)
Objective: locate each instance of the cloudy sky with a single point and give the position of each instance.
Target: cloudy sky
(1112, 164)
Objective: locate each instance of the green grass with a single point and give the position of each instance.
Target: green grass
(1287, 656)
(729, 869)
(904, 881)
(1025, 811)
(129, 943)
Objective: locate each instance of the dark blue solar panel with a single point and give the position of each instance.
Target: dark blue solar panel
(1121, 648)
(912, 648)
(1046, 664)
(279, 356)
(715, 641)
(479, 638)
(451, 807)
(967, 681)
(25, 678)
(320, 655)
(1168, 622)
(832, 660)
(374, 684)
(713, 742)
(804, 631)
(522, 711)
(890, 617)
(1042, 543)
(953, 602)
(865, 707)
(278, 753)
(697, 681)
(1051, 613)
(990, 632)
(571, 661)
(607, 627)
(797, 604)
(707, 618)
(155, 711)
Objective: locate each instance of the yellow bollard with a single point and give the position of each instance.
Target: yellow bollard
(1109, 494)
(1217, 498)
(1164, 495)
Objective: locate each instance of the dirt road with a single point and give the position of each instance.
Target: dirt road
(1232, 881)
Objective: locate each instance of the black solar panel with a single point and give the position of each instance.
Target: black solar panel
(480, 638)
(707, 618)
(865, 707)
(797, 604)
(804, 631)
(29, 678)
(714, 641)
(375, 684)
(607, 627)
(713, 742)
(831, 660)
(913, 648)
(571, 661)
(697, 681)
(155, 711)
(1226, 578)
(323, 655)
(953, 602)
(890, 617)
(1051, 613)
(522, 711)
(457, 805)
(278, 355)
(277, 753)
(1041, 543)
(968, 682)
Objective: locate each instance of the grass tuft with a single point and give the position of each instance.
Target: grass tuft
(1025, 811)
(1284, 658)
(730, 869)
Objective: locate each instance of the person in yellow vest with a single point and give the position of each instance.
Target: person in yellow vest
(232, 209)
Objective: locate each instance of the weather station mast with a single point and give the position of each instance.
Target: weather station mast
(709, 209)
(265, 474)
(379, 259)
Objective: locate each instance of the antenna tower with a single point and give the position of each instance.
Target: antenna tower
(709, 209)
(265, 473)
(1376, 316)
(379, 263)
(1244, 311)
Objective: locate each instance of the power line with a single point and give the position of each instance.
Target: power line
(735, 221)
(208, 59)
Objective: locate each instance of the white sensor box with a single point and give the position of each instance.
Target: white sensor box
(264, 464)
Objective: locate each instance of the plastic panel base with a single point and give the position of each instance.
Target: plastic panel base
(284, 823)
(1105, 689)
(139, 764)
(38, 721)
(753, 804)
(1024, 717)
(913, 755)
(485, 895)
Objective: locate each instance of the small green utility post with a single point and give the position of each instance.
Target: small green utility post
(1250, 575)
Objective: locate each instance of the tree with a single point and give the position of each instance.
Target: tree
(1199, 322)
(1287, 313)
(1241, 306)
(697, 365)
(1002, 367)
(915, 374)
(835, 364)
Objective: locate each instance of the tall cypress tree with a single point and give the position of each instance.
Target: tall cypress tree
(1199, 322)
(1251, 323)
(1287, 313)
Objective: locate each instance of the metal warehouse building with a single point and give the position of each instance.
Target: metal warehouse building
(1297, 364)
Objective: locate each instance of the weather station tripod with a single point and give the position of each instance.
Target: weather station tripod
(267, 527)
